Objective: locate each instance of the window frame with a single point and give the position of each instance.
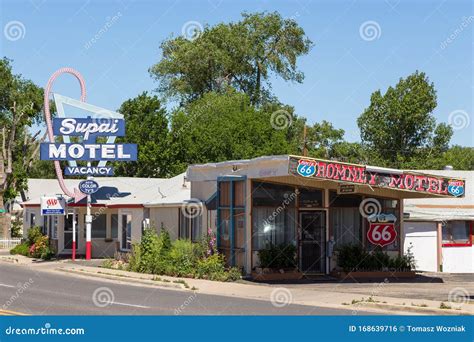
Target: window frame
(459, 244)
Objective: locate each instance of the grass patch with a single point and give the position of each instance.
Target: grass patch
(445, 306)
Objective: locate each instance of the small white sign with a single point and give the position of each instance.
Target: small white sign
(53, 205)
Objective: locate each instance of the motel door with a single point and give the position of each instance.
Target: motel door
(313, 241)
(68, 230)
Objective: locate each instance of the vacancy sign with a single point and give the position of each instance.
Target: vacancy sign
(52, 205)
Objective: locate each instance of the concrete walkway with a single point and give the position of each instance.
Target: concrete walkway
(367, 297)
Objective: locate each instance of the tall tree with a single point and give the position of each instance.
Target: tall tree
(241, 54)
(20, 105)
(147, 126)
(227, 126)
(398, 128)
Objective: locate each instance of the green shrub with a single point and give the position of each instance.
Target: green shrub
(41, 249)
(182, 259)
(135, 258)
(33, 234)
(354, 258)
(212, 268)
(21, 249)
(278, 256)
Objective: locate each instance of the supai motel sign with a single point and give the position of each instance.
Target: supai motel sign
(89, 128)
(359, 174)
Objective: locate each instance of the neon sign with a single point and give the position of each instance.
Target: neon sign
(358, 174)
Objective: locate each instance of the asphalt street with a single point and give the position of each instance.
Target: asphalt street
(32, 291)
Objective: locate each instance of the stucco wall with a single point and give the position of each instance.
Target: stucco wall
(166, 217)
(422, 237)
(203, 189)
(458, 259)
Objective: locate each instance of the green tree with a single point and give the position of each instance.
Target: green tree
(399, 129)
(241, 54)
(147, 126)
(459, 157)
(227, 126)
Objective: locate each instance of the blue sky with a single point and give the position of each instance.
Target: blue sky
(346, 64)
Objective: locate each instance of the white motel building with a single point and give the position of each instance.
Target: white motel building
(281, 200)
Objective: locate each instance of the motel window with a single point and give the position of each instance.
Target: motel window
(310, 198)
(114, 225)
(53, 227)
(336, 200)
(99, 226)
(190, 224)
(126, 231)
(346, 226)
(44, 228)
(457, 233)
(273, 214)
(32, 219)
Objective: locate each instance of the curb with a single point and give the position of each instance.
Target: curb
(10, 260)
(415, 309)
(126, 279)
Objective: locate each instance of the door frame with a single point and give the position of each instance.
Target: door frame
(120, 218)
(75, 212)
(300, 232)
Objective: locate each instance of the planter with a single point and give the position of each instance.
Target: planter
(373, 274)
(268, 274)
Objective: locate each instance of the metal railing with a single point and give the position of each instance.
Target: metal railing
(8, 244)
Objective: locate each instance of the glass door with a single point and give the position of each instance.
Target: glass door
(126, 231)
(313, 241)
(68, 222)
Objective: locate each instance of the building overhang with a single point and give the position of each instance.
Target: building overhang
(312, 172)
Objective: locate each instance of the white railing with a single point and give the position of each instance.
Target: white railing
(8, 244)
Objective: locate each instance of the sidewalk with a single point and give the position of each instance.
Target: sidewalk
(279, 295)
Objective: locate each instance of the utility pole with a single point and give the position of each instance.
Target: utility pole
(305, 148)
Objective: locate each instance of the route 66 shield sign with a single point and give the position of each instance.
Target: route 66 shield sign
(306, 168)
(456, 188)
(381, 234)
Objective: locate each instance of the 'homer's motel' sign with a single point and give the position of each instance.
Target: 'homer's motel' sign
(358, 174)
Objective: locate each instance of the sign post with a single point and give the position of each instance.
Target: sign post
(105, 123)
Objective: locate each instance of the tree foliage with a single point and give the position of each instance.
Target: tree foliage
(226, 126)
(398, 127)
(147, 126)
(20, 106)
(241, 54)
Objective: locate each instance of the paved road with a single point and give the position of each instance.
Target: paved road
(30, 290)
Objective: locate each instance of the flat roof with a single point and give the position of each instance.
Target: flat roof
(413, 183)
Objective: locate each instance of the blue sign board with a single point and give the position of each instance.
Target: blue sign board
(88, 187)
(89, 152)
(88, 127)
(89, 171)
